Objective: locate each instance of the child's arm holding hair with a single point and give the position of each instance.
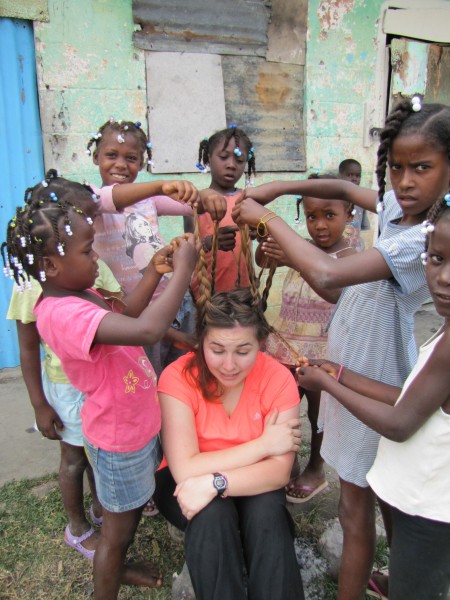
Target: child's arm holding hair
(319, 270)
(30, 363)
(373, 402)
(154, 319)
(328, 189)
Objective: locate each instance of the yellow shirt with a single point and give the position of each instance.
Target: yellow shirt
(21, 309)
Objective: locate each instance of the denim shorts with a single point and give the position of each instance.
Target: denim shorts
(67, 402)
(124, 480)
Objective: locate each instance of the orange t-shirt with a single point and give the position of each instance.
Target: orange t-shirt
(268, 386)
(227, 262)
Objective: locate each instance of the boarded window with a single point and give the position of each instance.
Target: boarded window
(188, 101)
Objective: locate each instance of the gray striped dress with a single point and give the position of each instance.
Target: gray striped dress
(372, 333)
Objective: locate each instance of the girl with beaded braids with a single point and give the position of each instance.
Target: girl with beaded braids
(411, 471)
(120, 149)
(372, 328)
(226, 154)
(99, 344)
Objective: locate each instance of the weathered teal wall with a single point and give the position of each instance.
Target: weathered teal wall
(88, 70)
(340, 77)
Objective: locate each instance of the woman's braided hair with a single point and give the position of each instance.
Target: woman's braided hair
(41, 225)
(432, 122)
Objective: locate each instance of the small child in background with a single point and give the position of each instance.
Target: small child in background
(350, 170)
(51, 238)
(411, 472)
(57, 406)
(226, 154)
(302, 323)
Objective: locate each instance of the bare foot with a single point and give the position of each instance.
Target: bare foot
(144, 574)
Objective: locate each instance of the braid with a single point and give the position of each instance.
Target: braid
(265, 295)
(393, 124)
(434, 214)
(245, 247)
(204, 282)
(214, 250)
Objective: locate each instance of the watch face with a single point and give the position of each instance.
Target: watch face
(220, 483)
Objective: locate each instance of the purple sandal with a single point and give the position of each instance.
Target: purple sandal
(76, 542)
(96, 520)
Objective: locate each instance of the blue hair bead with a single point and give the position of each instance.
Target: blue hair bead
(138, 124)
(237, 151)
(232, 126)
(447, 199)
(53, 197)
(200, 167)
(149, 145)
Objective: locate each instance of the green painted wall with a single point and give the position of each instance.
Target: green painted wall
(88, 70)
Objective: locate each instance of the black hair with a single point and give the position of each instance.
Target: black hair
(122, 128)
(347, 163)
(37, 226)
(207, 146)
(432, 121)
(438, 209)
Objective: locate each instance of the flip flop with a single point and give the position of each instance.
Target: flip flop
(374, 591)
(308, 491)
(96, 520)
(76, 542)
(150, 509)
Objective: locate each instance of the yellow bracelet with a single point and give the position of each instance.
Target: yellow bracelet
(261, 228)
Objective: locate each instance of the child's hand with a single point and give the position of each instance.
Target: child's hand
(247, 212)
(272, 250)
(182, 191)
(185, 252)
(213, 203)
(226, 238)
(48, 421)
(312, 374)
(162, 260)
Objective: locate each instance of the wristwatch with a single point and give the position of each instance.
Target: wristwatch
(220, 482)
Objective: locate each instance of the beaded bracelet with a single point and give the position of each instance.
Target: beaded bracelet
(261, 228)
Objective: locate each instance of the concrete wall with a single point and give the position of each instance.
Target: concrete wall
(88, 70)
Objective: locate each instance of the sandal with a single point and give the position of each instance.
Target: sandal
(374, 591)
(298, 494)
(76, 542)
(96, 520)
(150, 509)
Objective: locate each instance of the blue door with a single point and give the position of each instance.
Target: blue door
(21, 156)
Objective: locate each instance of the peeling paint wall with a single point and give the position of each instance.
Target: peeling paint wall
(88, 70)
(340, 77)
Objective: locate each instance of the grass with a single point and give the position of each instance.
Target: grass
(36, 564)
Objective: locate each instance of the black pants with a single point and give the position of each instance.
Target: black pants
(253, 531)
(419, 565)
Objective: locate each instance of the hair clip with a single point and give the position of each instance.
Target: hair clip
(200, 167)
(95, 197)
(249, 155)
(424, 257)
(88, 152)
(68, 229)
(30, 258)
(119, 122)
(60, 248)
(53, 197)
(353, 212)
(149, 145)
(427, 227)
(237, 151)
(380, 207)
(125, 127)
(447, 199)
(44, 183)
(151, 163)
(42, 276)
(89, 220)
(232, 126)
(120, 138)
(138, 124)
(416, 103)
(23, 241)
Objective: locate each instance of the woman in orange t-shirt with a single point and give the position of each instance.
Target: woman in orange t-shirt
(230, 431)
